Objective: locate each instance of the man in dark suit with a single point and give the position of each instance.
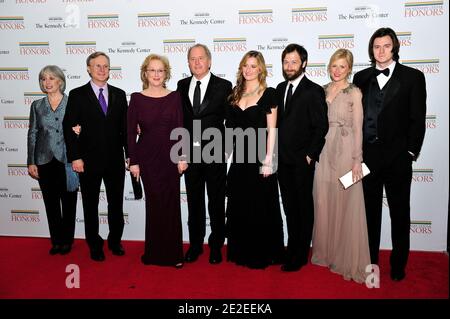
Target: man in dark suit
(204, 97)
(97, 153)
(394, 101)
(302, 126)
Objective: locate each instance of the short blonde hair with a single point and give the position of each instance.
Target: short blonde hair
(145, 64)
(342, 54)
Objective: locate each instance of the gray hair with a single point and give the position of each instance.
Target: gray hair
(199, 45)
(55, 71)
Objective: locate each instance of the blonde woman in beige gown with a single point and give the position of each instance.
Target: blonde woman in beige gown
(340, 239)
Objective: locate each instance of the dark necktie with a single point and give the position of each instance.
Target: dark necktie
(196, 100)
(288, 97)
(385, 72)
(102, 101)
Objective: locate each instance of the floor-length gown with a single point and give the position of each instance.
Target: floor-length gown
(340, 239)
(254, 224)
(156, 118)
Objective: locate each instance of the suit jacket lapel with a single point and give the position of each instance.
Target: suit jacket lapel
(295, 95)
(111, 99)
(393, 86)
(93, 98)
(184, 91)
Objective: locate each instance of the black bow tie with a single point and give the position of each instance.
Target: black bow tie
(385, 72)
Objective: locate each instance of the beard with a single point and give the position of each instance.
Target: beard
(293, 76)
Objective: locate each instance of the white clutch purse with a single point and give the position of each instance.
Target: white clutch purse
(347, 179)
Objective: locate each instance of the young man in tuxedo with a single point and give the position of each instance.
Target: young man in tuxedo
(97, 153)
(204, 98)
(394, 102)
(302, 126)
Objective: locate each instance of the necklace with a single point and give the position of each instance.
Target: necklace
(250, 93)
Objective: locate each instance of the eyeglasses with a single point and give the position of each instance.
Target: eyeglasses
(155, 71)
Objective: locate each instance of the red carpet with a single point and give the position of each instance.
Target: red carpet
(28, 271)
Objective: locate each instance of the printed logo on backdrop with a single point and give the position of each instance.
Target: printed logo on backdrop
(17, 170)
(153, 20)
(269, 68)
(431, 122)
(36, 193)
(25, 216)
(201, 18)
(302, 15)
(7, 149)
(177, 45)
(103, 218)
(276, 44)
(429, 66)
(6, 194)
(34, 48)
(360, 66)
(13, 122)
(317, 70)
(405, 38)
(222, 45)
(6, 101)
(336, 41)
(128, 47)
(13, 74)
(115, 73)
(12, 23)
(31, 1)
(423, 175)
(424, 9)
(81, 47)
(30, 97)
(4, 52)
(256, 16)
(57, 22)
(421, 227)
(370, 14)
(103, 21)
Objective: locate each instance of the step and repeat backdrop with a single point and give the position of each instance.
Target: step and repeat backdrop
(35, 33)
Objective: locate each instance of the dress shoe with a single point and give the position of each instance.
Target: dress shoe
(97, 255)
(65, 249)
(215, 256)
(192, 254)
(398, 275)
(179, 265)
(117, 250)
(54, 250)
(288, 267)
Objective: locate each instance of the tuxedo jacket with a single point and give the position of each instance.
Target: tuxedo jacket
(401, 121)
(102, 141)
(303, 126)
(212, 109)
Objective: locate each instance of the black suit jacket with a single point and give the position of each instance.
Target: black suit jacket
(212, 109)
(302, 128)
(102, 141)
(401, 122)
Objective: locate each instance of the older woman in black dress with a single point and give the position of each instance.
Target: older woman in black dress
(155, 112)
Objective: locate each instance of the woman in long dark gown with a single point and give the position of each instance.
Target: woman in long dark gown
(254, 224)
(155, 112)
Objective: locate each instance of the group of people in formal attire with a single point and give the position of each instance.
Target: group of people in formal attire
(313, 136)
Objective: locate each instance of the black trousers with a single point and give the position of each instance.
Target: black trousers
(296, 182)
(395, 174)
(60, 205)
(90, 183)
(214, 177)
